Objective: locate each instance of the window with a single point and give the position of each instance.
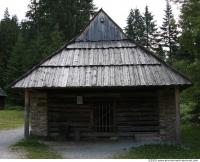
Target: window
(79, 100)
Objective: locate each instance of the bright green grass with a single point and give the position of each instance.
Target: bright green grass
(35, 150)
(190, 148)
(10, 119)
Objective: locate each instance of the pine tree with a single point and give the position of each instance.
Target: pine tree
(160, 52)
(17, 62)
(6, 15)
(129, 28)
(37, 23)
(135, 26)
(150, 31)
(190, 24)
(69, 15)
(56, 41)
(17, 65)
(188, 60)
(8, 36)
(169, 33)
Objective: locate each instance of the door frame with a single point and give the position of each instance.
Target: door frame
(103, 100)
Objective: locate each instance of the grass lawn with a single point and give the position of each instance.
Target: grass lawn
(11, 119)
(35, 150)
(190, 148)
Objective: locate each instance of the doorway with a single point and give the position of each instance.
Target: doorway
(103, 114)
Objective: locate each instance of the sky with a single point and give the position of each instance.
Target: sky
(118, 10)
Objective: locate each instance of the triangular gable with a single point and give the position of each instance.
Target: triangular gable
(102, 28)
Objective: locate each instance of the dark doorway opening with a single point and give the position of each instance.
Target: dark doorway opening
(103, 117)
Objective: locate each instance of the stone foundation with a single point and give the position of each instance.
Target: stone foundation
(167, 111)
(38, 104)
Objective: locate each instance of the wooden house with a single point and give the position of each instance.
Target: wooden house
(2, 99)
(102, 84)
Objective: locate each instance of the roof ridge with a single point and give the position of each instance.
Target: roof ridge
(101, 41)
(103, 48)
(63, 66)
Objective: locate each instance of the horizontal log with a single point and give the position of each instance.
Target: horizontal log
(154, 118)
(69, 114)
(69, 118)
(137, 114)
(141, 128)
(109, 134)
(59, 128)
(73, 124)
(137, 104)
(86, 95)
(69, 110)
(138, 123)
(67, 106)
(135, 111)
(105, 134)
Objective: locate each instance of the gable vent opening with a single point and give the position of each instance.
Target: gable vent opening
(102, 20)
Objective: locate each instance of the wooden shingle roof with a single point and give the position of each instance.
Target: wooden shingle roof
(101, 56)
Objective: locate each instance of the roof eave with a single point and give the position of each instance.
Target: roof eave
(181, 86)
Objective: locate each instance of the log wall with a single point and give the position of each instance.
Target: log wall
(137, 112)
(66, 116)
(56, 113)
(132, 112)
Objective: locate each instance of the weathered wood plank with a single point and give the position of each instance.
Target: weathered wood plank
(178, 128)
(26, 114)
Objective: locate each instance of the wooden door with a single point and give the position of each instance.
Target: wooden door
(103, 116)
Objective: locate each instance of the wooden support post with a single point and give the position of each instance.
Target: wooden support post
(178, 119)
(26, 114)
(114, 116)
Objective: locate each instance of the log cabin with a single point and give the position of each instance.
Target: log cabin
(103, 84)
(2, 99)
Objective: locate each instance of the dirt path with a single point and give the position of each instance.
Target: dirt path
(7, 138)
(92, 149)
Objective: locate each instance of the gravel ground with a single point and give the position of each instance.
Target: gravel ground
(7, 138)
(93, 149)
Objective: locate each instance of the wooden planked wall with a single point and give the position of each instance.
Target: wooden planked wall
(134, 112)
(137, 112)
(63, 111)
